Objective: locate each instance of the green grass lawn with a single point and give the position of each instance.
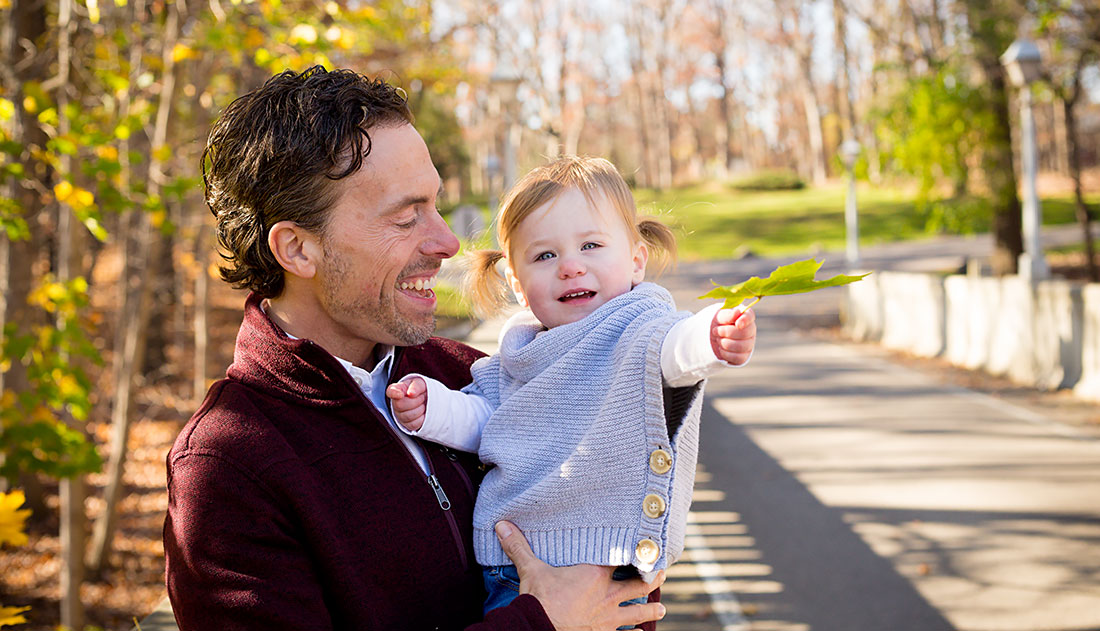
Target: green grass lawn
(714, 221)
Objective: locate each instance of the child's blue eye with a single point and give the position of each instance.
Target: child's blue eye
(590, 245)
(544, 256)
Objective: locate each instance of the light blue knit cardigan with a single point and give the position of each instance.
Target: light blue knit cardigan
(579, 411)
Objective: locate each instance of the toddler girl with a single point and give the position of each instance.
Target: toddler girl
(590, 411)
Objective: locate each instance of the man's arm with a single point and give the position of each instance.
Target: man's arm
(223, 544)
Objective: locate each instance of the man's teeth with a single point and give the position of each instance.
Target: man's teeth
(419, 285)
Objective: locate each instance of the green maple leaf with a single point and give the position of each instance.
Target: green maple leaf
(796, 278)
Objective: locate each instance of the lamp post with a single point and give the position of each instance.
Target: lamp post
(849, 151)
(503, 83)
(1023, 64)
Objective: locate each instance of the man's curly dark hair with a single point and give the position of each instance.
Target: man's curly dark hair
(275, 154)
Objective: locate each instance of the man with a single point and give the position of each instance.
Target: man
(293, 502)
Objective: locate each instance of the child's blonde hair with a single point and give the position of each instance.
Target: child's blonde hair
(486, 285)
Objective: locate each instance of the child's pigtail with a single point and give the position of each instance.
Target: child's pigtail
(484, 283)
(661, 241)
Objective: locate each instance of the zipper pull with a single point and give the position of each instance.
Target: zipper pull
(444, 503)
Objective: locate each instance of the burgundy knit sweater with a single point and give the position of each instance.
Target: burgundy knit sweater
(293, 505)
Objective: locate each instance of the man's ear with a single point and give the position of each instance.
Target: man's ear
(513, 282)
(296, 249)
(641, 257)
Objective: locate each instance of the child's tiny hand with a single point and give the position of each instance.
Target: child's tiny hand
(733, 334)
(409, 401)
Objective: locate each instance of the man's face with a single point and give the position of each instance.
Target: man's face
(384, 239)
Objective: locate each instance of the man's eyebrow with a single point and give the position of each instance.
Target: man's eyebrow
(412, 200)
(405, 202)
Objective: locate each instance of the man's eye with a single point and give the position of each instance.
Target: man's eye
(407, 224)
(544, 256)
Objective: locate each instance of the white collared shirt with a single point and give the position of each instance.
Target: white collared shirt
(372, 383)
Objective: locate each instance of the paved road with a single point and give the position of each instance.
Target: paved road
(841, 490)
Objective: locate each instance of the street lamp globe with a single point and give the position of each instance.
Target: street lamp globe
(849, 151)
(1023, 62)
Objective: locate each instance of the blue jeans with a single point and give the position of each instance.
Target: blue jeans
(502, 585)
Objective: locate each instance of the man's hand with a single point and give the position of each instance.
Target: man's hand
(409, 400)
(578, 597)
(733, 334)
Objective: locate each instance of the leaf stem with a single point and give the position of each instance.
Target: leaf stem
(756, 300)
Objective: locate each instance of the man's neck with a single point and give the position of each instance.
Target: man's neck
(302, 322)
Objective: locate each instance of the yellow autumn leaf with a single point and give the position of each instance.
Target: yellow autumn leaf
(13, 520)
(62, 190)
(82, 199)
(30, 105)
(11, 615)
(7, 108)
(254, 38)
(163, 153)
(93, 11)
(107, 152)
(69, 387)
(303, 34)
(181, 52)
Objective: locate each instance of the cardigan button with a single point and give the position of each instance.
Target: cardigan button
(653, 506)
(647, 551)
(660, 461)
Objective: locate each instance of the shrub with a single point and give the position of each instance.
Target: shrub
(776, 180)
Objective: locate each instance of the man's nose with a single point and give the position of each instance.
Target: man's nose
(440, 241)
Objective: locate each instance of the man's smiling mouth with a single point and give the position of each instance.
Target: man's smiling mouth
(422, 285)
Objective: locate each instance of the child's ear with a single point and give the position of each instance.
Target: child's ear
(513, 282)
(296, 249)
(641, 257)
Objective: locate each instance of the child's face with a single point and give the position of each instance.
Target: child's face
(570, 256)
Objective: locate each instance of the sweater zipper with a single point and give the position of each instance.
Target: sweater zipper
(433, 481)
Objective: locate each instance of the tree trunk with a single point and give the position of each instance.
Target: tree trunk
(18, 257)
(724, 129)
(813, 127)
(843, 82)
(72, 490)
(138, 325)
(202, 310)
(990, 38)
(1082, 210)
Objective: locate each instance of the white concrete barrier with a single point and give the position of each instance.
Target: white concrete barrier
(1044, 334)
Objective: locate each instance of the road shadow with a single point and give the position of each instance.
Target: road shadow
(820, 575)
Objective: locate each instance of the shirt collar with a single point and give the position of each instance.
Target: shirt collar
(383, 352)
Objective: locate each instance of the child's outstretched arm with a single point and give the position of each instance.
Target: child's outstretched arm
(409, 401)
(707, 342)
(426, 408)
(733, 335)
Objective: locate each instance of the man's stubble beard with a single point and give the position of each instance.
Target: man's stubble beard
(362, 309)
